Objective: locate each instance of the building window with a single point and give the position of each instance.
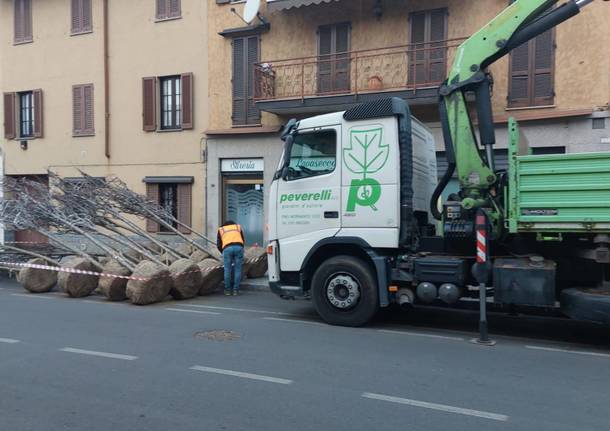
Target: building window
(81, 17)
(23, 21)
(174, 194)
(82, 110)
(175, 106)
(334, 58)
(26, 114)
(168, 9)
(245, 56)
(170, 102)
(313, 154)
(168, 200)
(23, 114)
(532, 73)
(427, 46)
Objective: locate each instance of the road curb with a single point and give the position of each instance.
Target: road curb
(245, 285)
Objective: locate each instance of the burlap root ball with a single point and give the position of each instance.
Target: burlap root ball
(183, 248)
(37, 280)
(186, 279)
(133, 255)
(199, 255)
(152, 246)
(78, 285)
(167, 259)
(114, 289)
(155, 288)
(215, 254)
(257, 259)
(212, 276)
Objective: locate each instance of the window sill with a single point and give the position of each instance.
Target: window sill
(26, 138)
(173, 18)
(83, 135)
(23, 42)
(80, 33)
(525, 108)
(168, 130)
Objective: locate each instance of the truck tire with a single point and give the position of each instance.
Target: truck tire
(344, 291)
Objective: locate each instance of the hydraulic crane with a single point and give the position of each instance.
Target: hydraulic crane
(522, 21)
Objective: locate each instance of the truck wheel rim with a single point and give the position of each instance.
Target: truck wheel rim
(342, 291)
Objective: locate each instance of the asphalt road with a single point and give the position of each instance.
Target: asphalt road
(256, 362)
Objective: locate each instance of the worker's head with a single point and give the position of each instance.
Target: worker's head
(228, 222)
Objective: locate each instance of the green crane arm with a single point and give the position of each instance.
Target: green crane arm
(518, 23)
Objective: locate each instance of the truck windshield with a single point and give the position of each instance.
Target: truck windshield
(312, 154)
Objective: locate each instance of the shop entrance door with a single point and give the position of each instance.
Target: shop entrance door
(244, 204)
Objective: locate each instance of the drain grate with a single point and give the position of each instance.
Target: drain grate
(218, 335)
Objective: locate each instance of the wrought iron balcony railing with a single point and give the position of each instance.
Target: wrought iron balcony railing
(405, 67)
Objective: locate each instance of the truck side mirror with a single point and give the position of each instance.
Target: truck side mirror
(285, 171)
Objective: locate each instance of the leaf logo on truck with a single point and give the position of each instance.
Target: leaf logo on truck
(366, 155)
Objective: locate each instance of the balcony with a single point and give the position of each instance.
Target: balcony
(318, 84)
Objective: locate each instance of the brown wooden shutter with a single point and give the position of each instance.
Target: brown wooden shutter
(519, 85)
(77, 110)
(38, 107)
(187, 100)
(149, 104)
(23, 21)
(417, 57)
(542, 85)
(86, 16)
(252, 112)
(174, 8)
(437, 67)
(325, 38)
(152, 194)
(427, 57)
(184, 206)
(162, 9)
(9, 115)
(88, 114)
(76, 23)
(239, 76)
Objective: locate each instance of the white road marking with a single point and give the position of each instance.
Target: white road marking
(193, 311)
(439, 407)
(308, 322)
(9, 341)
(32, 295)
(246, 310)
(242, 375)
(101, 354)
(576, 352)
(420, 334)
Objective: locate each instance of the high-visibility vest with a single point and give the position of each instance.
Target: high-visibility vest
(230, 234)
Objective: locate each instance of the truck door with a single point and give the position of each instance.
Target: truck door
(308, 198)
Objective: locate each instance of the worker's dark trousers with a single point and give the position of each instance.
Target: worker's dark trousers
(233, 256)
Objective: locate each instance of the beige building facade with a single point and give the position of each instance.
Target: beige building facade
(184, 101)
(307, 57)
(117, 87)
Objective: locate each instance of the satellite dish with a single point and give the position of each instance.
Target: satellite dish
(251, 10)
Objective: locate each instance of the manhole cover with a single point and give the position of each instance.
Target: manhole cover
(218, 335)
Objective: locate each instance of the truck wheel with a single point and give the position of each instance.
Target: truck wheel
(344, 291)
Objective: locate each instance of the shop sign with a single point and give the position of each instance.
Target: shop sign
(242, 165)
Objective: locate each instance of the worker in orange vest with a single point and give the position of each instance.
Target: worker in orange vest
(230, 241)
